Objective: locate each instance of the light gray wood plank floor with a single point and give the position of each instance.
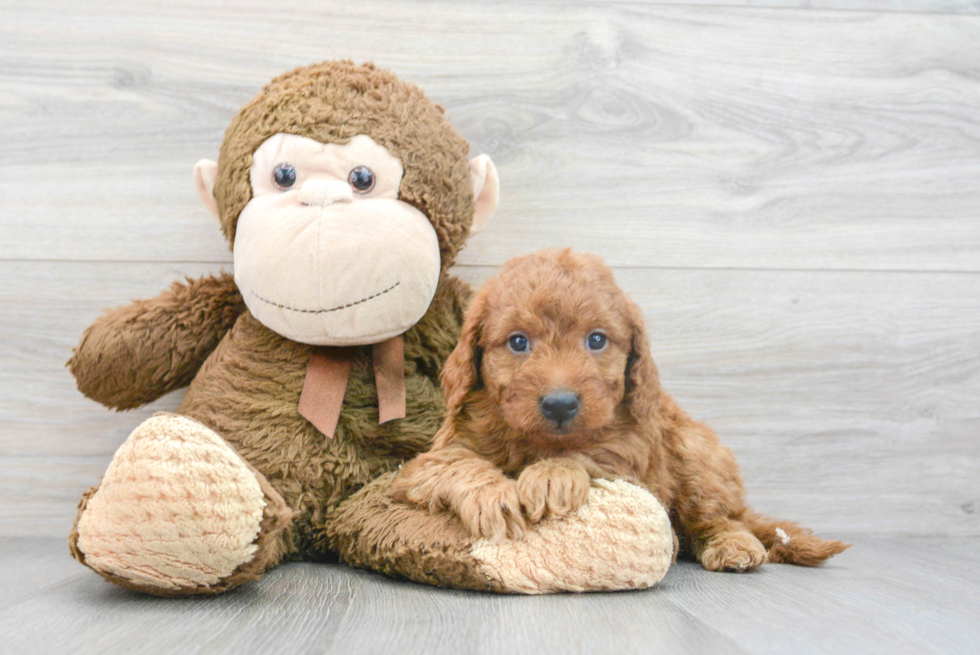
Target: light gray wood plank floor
(885, 595)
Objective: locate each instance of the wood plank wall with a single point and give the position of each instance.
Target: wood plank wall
(791, 190)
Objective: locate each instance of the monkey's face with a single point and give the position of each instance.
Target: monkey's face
(325, 252)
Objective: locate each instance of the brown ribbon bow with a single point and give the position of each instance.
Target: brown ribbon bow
(326, 383)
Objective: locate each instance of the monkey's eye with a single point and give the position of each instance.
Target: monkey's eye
(518, 343)
(361, 179)
(284, 176)
(596, 341)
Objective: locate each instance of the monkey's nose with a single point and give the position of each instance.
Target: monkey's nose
(559, 406)
(325, 192)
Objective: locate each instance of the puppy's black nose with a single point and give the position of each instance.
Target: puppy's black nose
(559, 406)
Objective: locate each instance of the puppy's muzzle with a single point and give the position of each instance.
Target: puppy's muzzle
(559, 406)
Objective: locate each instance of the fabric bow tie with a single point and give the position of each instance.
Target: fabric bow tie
(326, 383)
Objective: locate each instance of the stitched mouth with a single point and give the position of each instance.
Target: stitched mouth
(324, 311)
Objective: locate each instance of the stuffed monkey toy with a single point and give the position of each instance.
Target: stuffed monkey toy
(345, 196)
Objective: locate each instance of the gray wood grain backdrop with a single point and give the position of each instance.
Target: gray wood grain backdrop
(791, 189)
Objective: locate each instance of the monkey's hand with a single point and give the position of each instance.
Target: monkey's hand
(134, 354)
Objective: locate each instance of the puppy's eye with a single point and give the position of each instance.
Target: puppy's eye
(596, 341)
(518, 343)
(361, 179)
(284, 176)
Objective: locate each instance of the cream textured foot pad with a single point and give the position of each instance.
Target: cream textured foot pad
(621, 539)
(177, 508)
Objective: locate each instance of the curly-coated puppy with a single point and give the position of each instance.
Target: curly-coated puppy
(553, 384)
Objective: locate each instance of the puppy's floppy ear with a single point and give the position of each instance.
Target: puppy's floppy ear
(642, 378)
(461, 373)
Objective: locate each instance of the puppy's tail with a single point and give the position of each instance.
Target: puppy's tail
(788, 543)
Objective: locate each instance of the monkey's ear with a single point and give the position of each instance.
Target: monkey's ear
(486, 191)
(205, 175)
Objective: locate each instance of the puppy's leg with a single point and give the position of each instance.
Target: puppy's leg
(457, 479)
(710, 501)
(554, 487)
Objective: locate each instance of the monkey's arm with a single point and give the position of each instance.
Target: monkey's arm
(134, 354)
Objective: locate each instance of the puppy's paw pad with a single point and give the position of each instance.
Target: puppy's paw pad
(735, 551)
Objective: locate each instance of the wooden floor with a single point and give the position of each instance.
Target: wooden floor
(885, 595)
(789, 188)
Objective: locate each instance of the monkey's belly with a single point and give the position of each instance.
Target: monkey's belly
(248, 392)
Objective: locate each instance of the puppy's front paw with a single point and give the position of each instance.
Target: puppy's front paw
(552, 488)
(492, 511)
(406, 488)
(733, 551)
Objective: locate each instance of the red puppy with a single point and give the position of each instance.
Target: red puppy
(553, 384)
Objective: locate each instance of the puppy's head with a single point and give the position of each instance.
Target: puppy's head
(558, 347)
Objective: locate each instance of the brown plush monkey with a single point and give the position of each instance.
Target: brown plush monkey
(345, 195)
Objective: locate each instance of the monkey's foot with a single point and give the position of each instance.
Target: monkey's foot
(620, 539)
(179, 512)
